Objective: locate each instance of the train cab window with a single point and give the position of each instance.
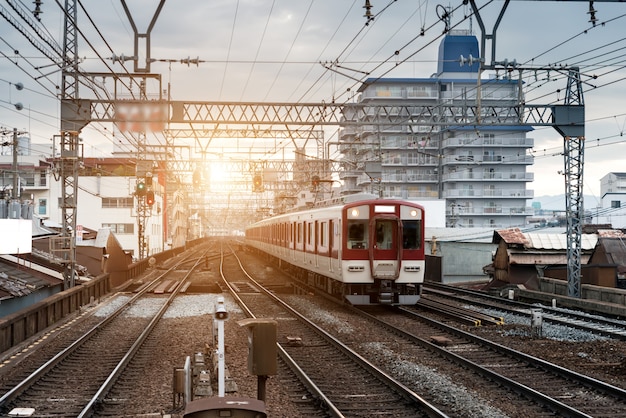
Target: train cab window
(384, 234)
(357, 234)
(411, 235)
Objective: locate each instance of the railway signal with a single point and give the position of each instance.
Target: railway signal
(261, 350)
(149, 198)
(257, 183)
(140, 189)
(197, 179)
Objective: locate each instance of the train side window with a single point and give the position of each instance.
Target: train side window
(299, 233)
(311, 234)
(411, 235)
(357, 234)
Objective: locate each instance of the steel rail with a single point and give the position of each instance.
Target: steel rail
(52, 362)
(400, 388)
(119, 369)
(595, 324)
(571, 375)
(304, 378)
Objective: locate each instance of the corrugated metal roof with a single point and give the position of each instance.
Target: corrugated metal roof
(512, 236)
(615, 249)
(559, 241)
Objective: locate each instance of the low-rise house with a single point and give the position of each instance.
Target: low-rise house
(523, 258)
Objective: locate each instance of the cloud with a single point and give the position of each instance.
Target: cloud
(265, 50)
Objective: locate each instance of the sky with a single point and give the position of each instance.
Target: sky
(313, 51)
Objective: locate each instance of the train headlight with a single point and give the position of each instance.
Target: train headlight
(355, 212)
(413, 213)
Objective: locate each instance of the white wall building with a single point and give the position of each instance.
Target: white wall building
(106, 197)
(613, 194)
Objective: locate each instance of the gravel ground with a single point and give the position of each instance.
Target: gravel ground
(582, 351)
(188, 323)
(187, 329)
(421, 373)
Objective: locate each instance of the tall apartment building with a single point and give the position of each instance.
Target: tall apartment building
(480, 170)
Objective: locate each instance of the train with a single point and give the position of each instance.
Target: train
(358, 248)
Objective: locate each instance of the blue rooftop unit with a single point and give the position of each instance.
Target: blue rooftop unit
(451, 48)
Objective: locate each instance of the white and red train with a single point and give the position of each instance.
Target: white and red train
(363, 249)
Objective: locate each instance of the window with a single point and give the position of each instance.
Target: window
(615, 204)
(28, 178)
(117, 202)
(384, 234)
(43, 207)
(311, 234)
(357, 234)
(120, 228)
(488, 139)
(392, 158)
(411, 234)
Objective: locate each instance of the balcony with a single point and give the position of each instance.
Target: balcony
(515, 142)
(456, 193)
(490, 210)
(488, 159)
(409, 178)
(487, 176)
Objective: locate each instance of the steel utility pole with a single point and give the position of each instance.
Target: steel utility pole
(572, 127)
(569, 121)
(68, 161)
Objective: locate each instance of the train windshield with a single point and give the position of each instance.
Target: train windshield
(384, 233)
(357, 234)
(411, 234)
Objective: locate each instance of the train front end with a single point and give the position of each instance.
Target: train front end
(383, 252)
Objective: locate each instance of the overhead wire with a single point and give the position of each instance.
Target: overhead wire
(282, 65)
(230, 43)
(285, 61)
(45, 76)
(258, 51)
(319, 57)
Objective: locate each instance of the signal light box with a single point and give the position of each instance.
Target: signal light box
(262, 349)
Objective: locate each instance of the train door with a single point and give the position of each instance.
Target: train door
(316, 243)
(385, 248)
(336, 253)
(331, 244)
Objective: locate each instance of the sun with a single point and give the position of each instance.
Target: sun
(219, 172)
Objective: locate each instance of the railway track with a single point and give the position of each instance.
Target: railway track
(551, 388)
(466, 316)
(565, 392)
(342, 382)
(595, 324)
(76, 381)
